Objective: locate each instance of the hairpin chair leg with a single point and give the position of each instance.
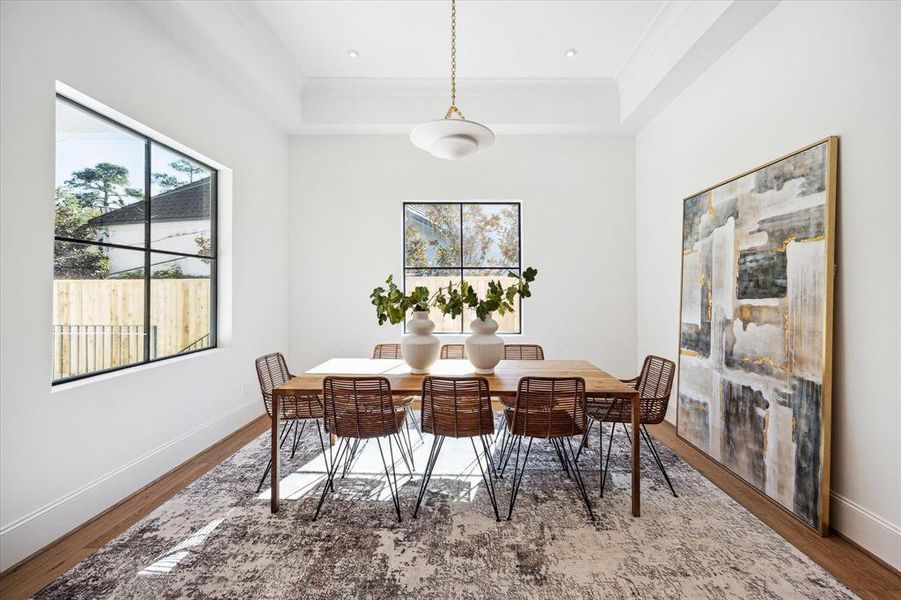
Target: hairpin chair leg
(570, 456)
(297, 437)
(286, 432)
(437, 443)
(330, 475)
(563, 462)
(351, 456)
(324, 459)
(489, 484)
(486, 444)
(508, 451)
(403, 452)
(607, 462)
(584, 442)
(650, 443)
(284, 436)
(391, 487)
(517, 481)
(406, 437)
(411, 417)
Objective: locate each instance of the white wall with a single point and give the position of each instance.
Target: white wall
(808, 70)
(70, 453)
(345, 222)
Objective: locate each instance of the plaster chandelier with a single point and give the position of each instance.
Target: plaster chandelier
(453, 136)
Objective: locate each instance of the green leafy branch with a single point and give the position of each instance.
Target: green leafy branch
(392, 304)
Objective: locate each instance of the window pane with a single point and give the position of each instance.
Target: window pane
(479, 278)
(180, 304)
(99, 179)
(179, 204)
(433, 279)
(98, 315)
(432, 235)
(491, 235)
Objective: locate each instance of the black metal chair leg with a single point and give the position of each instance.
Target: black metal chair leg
(283, 436)
(584, 442)
(391, 487)
(297, 437)
(403, 452)
(330, 475)
(517, 482)
(488, 486)
(409, 439)
(509, 454)
(416, 425)
(574, 466)
(486, 448)
(286, 432)
(607, 462)
(563, 462)
(265, 473)
(650, 443)
(322, 445)
(351, 456)
(437, 442)
(486, 444)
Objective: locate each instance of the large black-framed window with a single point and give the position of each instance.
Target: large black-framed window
(457, 241)
(135, 248)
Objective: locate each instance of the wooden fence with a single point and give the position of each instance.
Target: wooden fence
(99, 324)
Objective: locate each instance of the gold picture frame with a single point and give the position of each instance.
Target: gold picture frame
(761, 401)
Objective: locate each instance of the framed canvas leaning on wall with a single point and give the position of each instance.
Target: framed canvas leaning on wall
(755, 344)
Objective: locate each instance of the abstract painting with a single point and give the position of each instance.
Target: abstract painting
(755, 347)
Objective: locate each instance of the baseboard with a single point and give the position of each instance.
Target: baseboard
(29, 533)
(867, 530)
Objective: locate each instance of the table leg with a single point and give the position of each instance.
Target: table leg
(636, 478)
(273, 472)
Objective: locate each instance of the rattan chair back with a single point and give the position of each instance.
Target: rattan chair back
(523, 352)
(548, 407)
(387, 351)
(360, 407)
(453, 351)
(456, 407)
(272, 371)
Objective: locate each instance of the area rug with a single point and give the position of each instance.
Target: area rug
(218, 539)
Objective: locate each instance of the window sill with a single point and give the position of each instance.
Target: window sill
(139, 368)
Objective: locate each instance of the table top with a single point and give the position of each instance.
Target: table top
(503, 382)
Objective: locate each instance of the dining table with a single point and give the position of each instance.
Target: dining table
(503, 384)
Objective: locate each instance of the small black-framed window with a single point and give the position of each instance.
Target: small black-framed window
(457, 241)
(135, 248)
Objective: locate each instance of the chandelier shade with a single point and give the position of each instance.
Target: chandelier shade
(451, 139)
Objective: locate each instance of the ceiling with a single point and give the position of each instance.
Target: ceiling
(289, 59)
(508, 39)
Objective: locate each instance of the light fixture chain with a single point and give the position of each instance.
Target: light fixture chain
(453, 107)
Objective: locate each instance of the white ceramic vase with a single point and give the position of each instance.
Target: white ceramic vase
(420, 347)
(484, 348)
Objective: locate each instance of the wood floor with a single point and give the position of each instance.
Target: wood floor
(866, 576)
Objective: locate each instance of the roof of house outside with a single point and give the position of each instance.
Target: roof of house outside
(189, 202)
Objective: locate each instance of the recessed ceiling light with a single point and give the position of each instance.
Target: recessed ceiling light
(570, 53)
(353, 53)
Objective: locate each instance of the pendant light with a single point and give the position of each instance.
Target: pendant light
(453, 136)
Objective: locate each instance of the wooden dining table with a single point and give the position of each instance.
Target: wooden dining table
(503, 384)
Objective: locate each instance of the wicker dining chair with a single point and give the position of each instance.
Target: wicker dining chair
(387, 351)
(551, 408)
(395, 351)
(453, 351)
(458, 407)
(523, 352)
(654, 384)
(295, 411)
(358, 409)
(517, 352)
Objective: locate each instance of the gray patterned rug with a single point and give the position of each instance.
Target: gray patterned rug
(217, 538)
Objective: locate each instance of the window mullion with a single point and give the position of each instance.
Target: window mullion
(147, 222)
